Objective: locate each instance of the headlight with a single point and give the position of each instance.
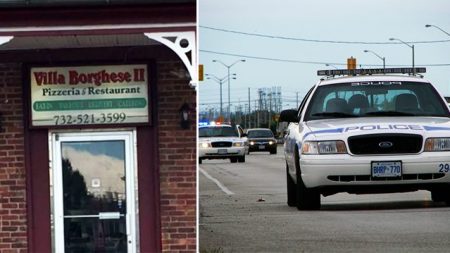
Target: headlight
(205, 144)
(252, 143)
(238, 144)
(270, 142)
(323, 147)
(437, 144)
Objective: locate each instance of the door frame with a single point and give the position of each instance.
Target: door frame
(131, 183)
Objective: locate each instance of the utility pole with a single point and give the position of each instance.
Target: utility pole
(260, 107)
(256, 114)
(270, 110)
(240, 112)
(249, 111)
(297, 99)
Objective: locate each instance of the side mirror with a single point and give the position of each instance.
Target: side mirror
(289, 116)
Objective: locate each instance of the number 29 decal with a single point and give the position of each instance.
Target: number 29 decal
(444, 167)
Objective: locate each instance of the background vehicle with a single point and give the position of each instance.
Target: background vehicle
(368, 134)
(220, 142)
(261, 139)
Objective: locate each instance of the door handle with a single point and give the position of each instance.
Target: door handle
(109, 215)
(129, 233)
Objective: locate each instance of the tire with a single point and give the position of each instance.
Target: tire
(307, 199)
(233, 159)
(441, 194)
(199, 161)
(241, 159)
(291, 189)
(273, 151)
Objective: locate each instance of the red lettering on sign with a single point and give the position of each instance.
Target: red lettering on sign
(98, 78)
(139, 75)
(48, 78)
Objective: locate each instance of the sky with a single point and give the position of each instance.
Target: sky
(276, 62)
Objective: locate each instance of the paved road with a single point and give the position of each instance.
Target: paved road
(243, 209)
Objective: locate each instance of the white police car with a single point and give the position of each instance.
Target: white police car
(220, 142)
(367, 133)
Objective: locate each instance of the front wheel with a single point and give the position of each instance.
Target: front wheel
(307, 198)
(291, 189)
(441, 194)
(241, 159)
(273, 151)
(233, 159)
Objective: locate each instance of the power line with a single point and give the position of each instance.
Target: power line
(317, 40)
(314, 62)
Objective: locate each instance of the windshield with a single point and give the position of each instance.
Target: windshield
(369, 99)
(214, 131)
(260, 134)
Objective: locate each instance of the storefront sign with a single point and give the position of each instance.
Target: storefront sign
(113, 94)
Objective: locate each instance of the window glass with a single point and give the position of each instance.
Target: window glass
(260, 134)
(214, 131)
(368, 99)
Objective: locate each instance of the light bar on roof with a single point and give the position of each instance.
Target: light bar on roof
(353, 72)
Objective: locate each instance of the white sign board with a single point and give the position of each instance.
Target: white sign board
(89, 95)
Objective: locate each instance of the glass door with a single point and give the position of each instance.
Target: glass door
(94, 192)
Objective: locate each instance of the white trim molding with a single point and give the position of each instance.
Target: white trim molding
(96, 27)
(5, 39)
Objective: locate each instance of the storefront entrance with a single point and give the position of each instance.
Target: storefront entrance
(93, 185)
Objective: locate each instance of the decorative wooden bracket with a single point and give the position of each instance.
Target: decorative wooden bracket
(184, 45)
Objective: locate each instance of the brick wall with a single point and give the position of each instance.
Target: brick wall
(177, 153)
(13, 228)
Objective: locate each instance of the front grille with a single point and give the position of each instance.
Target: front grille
(221, 144)
(404, 177)
(385, 144)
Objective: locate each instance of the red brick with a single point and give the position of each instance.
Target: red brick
(13, 205)
(177, 150)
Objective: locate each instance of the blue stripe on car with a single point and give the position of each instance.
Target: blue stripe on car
(326, 131)
(433, 128)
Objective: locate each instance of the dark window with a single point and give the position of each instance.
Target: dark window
(368, 99)
(260, 134)
(215, 131)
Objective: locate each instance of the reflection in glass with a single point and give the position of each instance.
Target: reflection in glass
(85, 235)
(94, 183)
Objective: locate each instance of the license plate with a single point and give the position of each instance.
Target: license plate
(261, 147)
(222, 151)
(387, 169)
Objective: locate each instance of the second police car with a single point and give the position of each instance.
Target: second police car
(221, 141)
(364, 133)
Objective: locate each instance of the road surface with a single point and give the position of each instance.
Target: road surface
(243, 209)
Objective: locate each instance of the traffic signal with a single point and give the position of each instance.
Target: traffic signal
(351, 63)
(200, 72)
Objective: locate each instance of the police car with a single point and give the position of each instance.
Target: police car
(368, 132)
(217, 141)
